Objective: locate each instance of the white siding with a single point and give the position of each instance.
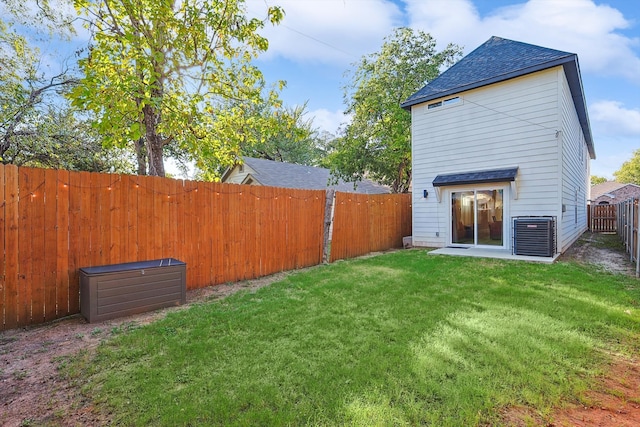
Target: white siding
(512, 123)
(575, 172)
(236, 176)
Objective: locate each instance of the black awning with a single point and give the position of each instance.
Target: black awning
(479, 177)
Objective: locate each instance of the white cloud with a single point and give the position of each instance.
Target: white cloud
(329, 31)
(578, 26)
(326, 120)
(611, 117)
(616, 134)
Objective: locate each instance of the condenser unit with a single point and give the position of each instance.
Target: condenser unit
(534, 236)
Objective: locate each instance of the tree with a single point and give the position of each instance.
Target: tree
(290, 137)
(629, 172)
(595, 179)
(377, 142)
(61, 138)
(281, 134)
(159, 72)
(28, 90)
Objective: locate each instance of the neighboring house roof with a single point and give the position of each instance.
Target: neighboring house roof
(498, 60)
(290, 175)
(613, 192)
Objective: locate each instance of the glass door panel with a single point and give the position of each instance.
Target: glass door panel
(476, 217)
(462, 217)
(489, 222)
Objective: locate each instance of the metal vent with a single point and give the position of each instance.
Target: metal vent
(534, 236)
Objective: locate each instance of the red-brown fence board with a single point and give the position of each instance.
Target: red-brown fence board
(3, 232)
(187, 222)
(62, 243)
(197, 233)
(25, 196)
(133, 188)
(114, 223)
(11, 238)
(75, 240)
(50, 248)
(156, 230)
(218, 228)
(54, 222)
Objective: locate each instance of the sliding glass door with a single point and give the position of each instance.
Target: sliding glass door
(476, 217)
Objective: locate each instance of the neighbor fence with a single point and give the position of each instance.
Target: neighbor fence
(53, 222)
(602, 218)
(627, 228)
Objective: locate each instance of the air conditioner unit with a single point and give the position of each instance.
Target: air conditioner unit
(534, 236)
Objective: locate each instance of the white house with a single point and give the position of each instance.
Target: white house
(501, 145)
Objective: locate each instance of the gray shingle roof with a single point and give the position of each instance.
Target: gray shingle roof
(500, 59)
(290, 175)
(496, 175)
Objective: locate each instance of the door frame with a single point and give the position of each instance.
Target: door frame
(506, 197)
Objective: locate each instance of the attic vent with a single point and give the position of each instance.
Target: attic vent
(534, 236)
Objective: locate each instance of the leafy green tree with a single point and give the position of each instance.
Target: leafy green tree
(61, 138)
(290, 137)
(281, 134)
(25, 97)
(377, 142)
(629, 172)
(37, 126)
(595, 179)
(160, 73)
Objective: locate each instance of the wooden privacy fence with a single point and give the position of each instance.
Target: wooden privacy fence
(602, 218)
(627, 222)
(368, 223)
(53, 222)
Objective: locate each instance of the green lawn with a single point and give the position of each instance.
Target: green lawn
(403, 338)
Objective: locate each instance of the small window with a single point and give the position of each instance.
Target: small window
(451, 101)
(448, 101)
(240, 168)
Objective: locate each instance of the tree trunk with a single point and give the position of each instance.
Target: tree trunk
(141, 156)
(154, 142)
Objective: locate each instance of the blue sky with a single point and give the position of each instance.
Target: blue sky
(319, 40)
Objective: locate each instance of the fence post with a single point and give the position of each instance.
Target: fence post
(632, 224)
(328, 218)
(636, 202)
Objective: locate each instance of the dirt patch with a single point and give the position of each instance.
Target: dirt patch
(602, 250)
(614, 402)
(33, 392)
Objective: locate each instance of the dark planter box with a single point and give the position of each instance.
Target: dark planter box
(111, 291)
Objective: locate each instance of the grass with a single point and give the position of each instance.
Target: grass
(403, 338)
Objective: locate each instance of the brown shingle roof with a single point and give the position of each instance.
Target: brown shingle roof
(613, 192)
(604, 188)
